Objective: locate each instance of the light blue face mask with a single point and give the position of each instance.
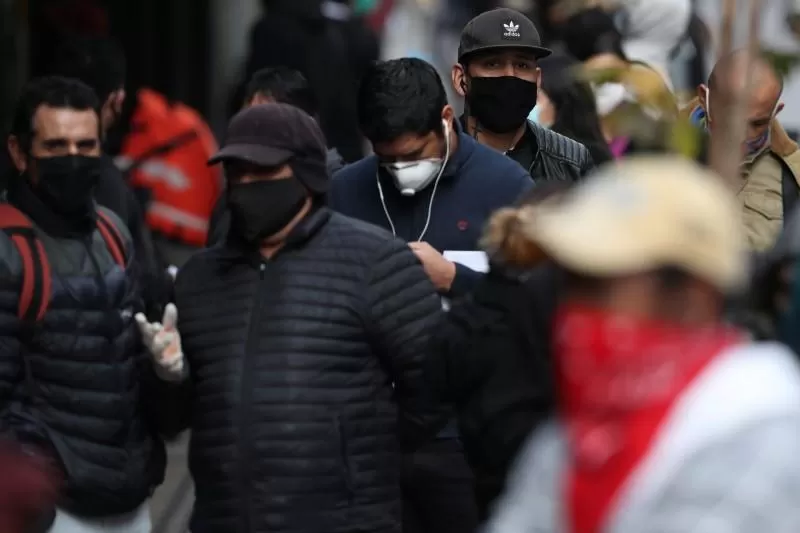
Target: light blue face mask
(535, 116)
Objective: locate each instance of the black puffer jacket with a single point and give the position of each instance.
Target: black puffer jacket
(558, 157)
(294, 418)
(71, 386)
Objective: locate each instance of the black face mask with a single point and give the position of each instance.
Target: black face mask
(66, 183)
(501, 104)
(260, 209)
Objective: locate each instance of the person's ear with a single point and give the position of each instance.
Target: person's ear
(702, 94)
(459, 80)
(119, 101)
(17, 154)
(448, 113)
(779, 108)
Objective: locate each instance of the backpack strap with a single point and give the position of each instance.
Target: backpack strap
(112, 236)
(36, 280)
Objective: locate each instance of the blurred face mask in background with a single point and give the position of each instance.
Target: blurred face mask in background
(535, 116)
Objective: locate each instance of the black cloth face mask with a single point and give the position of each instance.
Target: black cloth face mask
(501, 104)
(66, 183)
(260, 209)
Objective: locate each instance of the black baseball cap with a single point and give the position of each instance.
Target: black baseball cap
(270, 135)
(500, 28)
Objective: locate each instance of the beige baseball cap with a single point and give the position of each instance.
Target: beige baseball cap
(643, 214)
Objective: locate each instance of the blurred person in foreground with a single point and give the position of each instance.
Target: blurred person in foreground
(654, 432)
(491, 357)
(304, 338)
(75, 385)
(428, 182)
(100, 63)
(565, 104)
(498, 74)
(271, 85)
(770, 160)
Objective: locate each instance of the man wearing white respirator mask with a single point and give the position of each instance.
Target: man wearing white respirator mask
(427, 182)
(433, 186)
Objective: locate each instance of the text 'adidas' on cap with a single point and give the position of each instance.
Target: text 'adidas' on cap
(497, 29)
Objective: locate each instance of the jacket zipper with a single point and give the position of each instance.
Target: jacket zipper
(105, 295)
(245, 467)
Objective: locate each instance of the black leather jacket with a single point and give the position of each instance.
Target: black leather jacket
(558, 157)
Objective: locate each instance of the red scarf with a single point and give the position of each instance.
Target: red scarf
(618, 379)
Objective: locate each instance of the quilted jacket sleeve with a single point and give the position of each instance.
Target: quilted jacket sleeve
(14, 425)
(403, 309)
(10, 353)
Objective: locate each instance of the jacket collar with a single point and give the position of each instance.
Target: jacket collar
(534, 133)
(234, 251)
(21, 195)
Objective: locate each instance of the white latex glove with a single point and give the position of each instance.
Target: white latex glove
(164, 343)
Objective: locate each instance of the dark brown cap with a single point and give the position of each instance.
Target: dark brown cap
(497, 29)
(270, 135)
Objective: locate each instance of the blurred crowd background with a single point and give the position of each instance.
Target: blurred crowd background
(200, 51)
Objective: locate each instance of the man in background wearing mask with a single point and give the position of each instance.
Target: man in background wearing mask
(100, 63)
(770, 164)
(270, 85)
(433, 186)
(72, 385)
(498, 75)
(304, 337)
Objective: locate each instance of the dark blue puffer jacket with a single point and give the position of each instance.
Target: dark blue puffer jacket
(71, 386)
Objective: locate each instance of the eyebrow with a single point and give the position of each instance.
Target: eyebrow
(763, 118)
(62, 141)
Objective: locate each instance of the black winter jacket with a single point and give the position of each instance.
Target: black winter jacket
(491, 358)
(295, 420)
(71, 386)
(558, 157)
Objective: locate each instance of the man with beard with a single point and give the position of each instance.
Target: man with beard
(498, 75)
(74, 387)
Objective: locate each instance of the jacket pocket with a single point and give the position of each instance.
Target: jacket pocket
(344, 457)
(764, 204)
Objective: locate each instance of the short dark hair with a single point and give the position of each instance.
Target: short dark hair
(285, 86)
(399, 97)
(53, 91)
(96, 61)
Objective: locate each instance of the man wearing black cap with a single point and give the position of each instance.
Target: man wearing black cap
(304, 336)
(498, 75)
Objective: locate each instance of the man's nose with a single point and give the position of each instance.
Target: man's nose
(72, 149)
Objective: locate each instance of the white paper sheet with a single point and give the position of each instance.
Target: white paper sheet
(472, 259)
